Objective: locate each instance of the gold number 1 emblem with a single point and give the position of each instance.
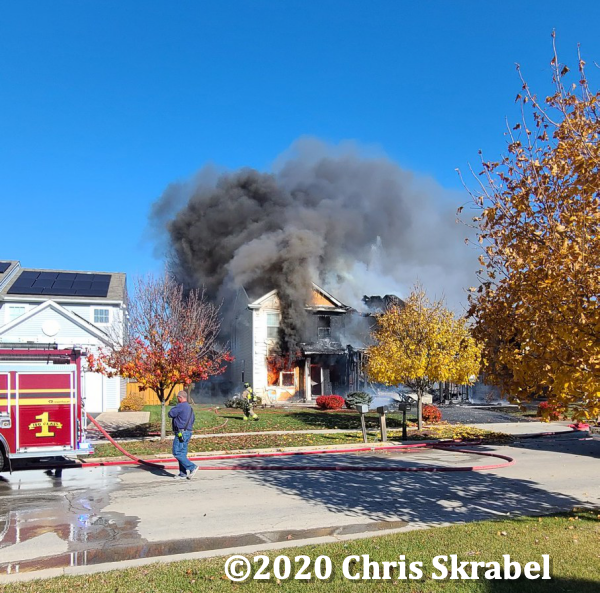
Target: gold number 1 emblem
(44, 424)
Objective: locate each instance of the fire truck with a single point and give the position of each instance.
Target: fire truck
(42, 416)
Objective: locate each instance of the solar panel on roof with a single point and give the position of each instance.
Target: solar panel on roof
(30, 290)
(48, 276)
(4, 265)
(105, 278)
(60, 291)
(23, 282)
(67, 276)
(61, 284)
(80, 284)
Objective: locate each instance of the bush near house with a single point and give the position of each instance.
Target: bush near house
(548, 411)
(330, 402)
(133, 402)
(358, 397)
(431, 414)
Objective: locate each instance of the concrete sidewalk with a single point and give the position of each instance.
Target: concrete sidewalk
(524, 428)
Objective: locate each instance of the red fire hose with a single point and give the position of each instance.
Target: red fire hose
(354, 468)
(113, 442)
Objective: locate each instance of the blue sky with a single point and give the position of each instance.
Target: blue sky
(104, 103)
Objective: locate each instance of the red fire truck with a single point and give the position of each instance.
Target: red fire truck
(42, 417)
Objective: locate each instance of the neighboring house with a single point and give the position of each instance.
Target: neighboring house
(325, 363)
(69, 309)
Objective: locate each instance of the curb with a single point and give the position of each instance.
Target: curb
(49, 573)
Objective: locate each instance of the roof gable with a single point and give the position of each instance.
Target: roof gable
(320, 300)
(66, 324)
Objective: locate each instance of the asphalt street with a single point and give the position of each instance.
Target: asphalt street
(96, 515)
(469, 415)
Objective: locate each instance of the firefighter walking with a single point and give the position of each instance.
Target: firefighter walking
(248, 399)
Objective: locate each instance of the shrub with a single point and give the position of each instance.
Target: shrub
(431, 414)
(330, 402)
(548, 411)
(132, 402)
(357, 397)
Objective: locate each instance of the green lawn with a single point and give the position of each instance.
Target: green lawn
(237, 443)
(572, 541)
(275, 419)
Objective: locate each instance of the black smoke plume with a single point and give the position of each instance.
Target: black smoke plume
(354, 224)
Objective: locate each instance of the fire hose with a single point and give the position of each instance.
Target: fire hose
(453, 447)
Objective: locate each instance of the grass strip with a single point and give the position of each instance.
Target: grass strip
(277, 441)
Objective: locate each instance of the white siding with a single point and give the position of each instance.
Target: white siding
(100, 393)
(30, 330)
(87, 313)
(260, 378)
(111, 393)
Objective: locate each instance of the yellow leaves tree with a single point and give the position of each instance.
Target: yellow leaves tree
(537, 309)
(419, 344)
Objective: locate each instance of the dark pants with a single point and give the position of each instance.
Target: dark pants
(247, 407)
(180, 450)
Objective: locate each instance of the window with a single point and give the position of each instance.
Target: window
(101, 316)
(272, 326)
(287, 379)
(323, 327)
(14, 311)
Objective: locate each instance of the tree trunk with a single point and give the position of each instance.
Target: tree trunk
(163, 420)
(420, 409)
(163, 413)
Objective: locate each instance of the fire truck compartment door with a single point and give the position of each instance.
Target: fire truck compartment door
(4, 392)
(4, 398)
(46, 408)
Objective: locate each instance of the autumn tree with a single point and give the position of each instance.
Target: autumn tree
(538, 220)
(170, 339)
(422, 343)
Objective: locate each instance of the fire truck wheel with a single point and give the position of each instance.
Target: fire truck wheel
(3, 460)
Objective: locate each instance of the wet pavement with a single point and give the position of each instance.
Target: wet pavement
(97, 515)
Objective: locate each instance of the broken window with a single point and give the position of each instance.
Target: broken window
(272, 326)
(287, 379)
(323, 327)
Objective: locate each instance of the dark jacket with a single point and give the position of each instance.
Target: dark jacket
(183, 416)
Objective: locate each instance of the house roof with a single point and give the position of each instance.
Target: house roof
(7, 268)
(322, 346)
(322, 300)
(116, 292)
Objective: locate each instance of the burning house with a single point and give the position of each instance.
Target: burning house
(256, 242)
(320, 363)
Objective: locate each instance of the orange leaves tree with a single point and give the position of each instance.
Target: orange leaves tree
(538, 219)
(170, 339)
(419, 344)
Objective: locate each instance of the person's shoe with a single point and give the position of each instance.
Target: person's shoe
(192, 473)
(245, 418)
(179, 477)
(255, 417)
